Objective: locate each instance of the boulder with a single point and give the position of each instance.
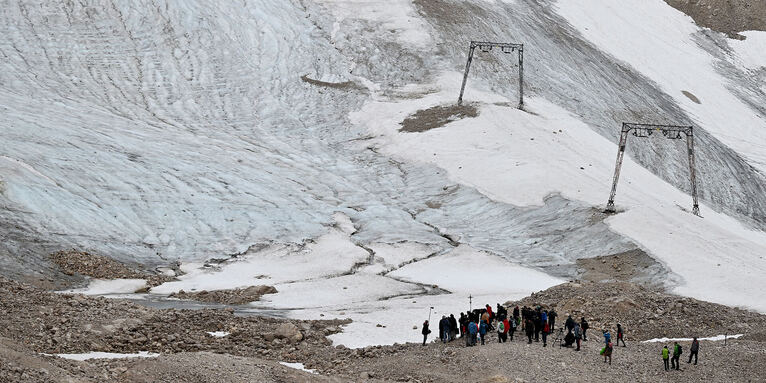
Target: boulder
(289, 331)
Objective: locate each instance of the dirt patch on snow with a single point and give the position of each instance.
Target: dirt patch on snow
(73, 262)
(345, 85)
(229, 297)
(437, 116)
(727, 16)
(691, 96)
(629, 266)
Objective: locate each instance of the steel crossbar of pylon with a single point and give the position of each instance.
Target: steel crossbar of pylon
(674, 132)
(486, 46)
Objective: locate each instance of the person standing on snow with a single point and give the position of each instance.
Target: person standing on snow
(425, 332)
(694, 350)
(665, 356)
(620, 335)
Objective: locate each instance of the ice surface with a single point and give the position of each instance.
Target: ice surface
(298, 366)
(110, 286)
(258, 143)
(107, 355)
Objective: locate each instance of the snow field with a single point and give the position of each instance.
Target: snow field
(658, 41)
(520, 158)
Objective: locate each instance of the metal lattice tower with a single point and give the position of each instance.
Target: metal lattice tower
(673, 132)
(486, 46)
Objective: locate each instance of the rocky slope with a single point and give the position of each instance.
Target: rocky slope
(42, 322)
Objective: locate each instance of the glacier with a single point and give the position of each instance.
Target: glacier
(266, 132)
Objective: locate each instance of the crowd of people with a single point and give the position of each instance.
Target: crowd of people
(537, 323)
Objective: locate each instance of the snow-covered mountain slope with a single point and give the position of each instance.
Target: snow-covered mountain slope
(156, 131)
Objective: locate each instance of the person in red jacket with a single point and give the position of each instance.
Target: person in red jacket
(506, 328)
(546, 330)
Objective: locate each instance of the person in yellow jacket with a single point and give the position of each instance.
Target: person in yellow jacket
(666, 357)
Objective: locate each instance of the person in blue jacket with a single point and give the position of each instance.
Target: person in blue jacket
(607, 337)
(472, 331)
(483, 327)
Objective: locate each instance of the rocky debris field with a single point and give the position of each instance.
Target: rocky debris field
(244, 349)
(81, 263)
(437, 116)
(727, 16)
(229, 297)
(644, 312)
(630, 266)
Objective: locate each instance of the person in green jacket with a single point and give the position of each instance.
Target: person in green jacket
(676, 364)
(665, 357)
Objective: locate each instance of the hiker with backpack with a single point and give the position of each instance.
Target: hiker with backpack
(607, 337)
(529, 327)
(608, 352)
(677, 351)
(502, 332)
(578, 336)
(546, 331)
(665, 356)
(512, 329)
(473, 329)
(483, 328)
(694, 350)
(620, 335)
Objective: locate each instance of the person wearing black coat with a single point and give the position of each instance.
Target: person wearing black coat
(584, 326)
(569, 324)
(537, 318)
(529, 326)
(444, 329)
(425, 332)
(552, 319)
(452, 327)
